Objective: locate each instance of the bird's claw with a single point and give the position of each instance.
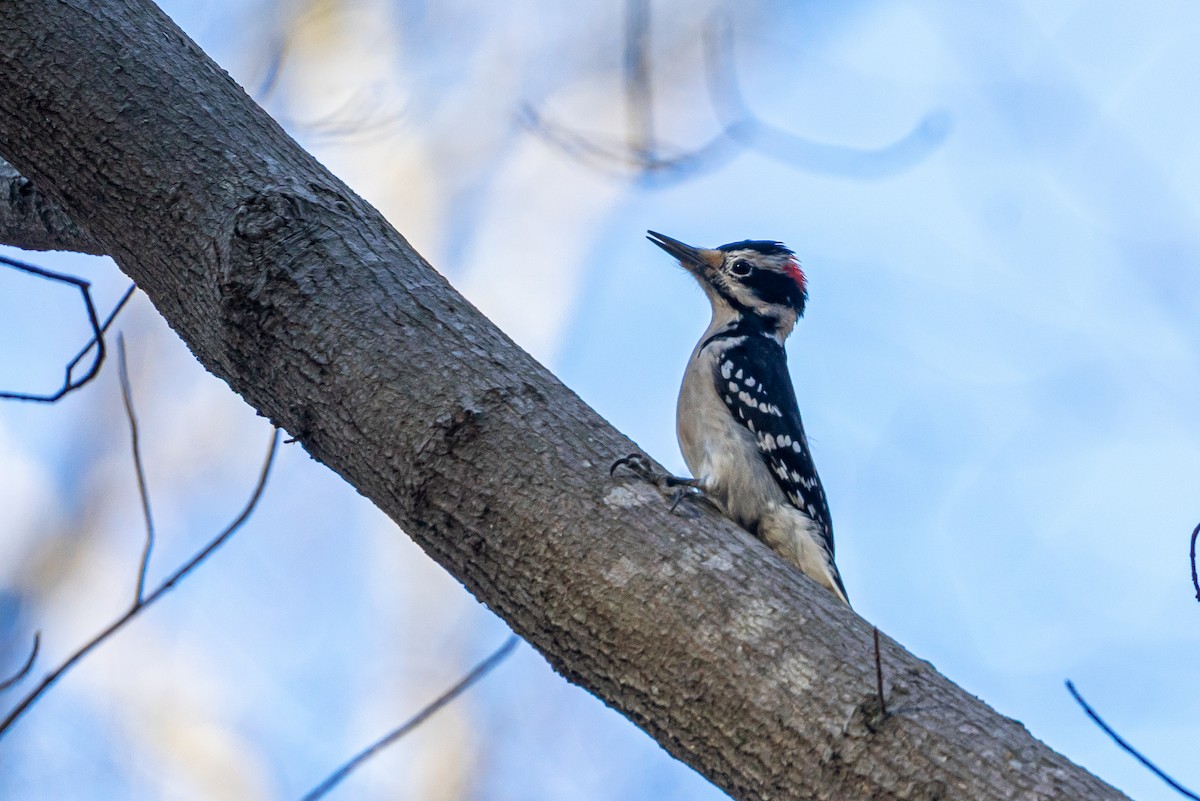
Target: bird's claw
(682, 493)
(636, 463)
(639, 464)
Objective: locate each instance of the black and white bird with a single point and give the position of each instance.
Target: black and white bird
(737, 419)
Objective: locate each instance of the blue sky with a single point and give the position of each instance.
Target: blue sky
(998, 371)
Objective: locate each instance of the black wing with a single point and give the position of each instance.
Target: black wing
(753, 380)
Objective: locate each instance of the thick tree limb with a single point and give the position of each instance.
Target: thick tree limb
(298, 294)
(31, 221)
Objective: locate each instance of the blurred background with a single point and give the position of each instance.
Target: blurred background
(996, 206)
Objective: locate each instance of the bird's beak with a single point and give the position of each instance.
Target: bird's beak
(696, 260)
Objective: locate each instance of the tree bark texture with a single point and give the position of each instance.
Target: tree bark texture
(297, 293)
(31, 221)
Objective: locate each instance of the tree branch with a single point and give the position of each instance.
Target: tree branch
(138, 469)
(141, 603)
(462, 685)
(1126, 747)
(97, 341)
(31, 221)
(297, 293)
(23, 671)
(741, 128)
(1192, 554)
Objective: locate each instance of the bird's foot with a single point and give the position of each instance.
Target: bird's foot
(639, 465)
(684, 488)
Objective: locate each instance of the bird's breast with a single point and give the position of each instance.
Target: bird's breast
(719, 450)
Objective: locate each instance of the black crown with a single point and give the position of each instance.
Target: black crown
(763, 246)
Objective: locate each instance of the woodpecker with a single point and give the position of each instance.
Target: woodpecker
(737, 418)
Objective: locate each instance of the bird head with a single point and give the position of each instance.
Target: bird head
(757, 280)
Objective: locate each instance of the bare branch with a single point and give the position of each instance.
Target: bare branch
(476, 673)
(639, 102)
(617, 159)
(640, 151)
(97, 332)
(741, 127)
(746, 127)
(273, 71)
(54, 675)
(360, 118)
(220, 539)
(23, 671)
(1195, 580)
(1157, 771)
(31, 221)
(108, 321)
(138, 467)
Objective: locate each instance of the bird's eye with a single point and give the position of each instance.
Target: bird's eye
(741, 268)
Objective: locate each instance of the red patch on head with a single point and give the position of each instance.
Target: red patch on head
(792, 268)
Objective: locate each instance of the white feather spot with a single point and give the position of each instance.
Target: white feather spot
(796, 446)
(733, 387)
(739, 373)
(750, 381)
(726, 369)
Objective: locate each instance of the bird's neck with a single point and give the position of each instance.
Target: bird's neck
(729, 323)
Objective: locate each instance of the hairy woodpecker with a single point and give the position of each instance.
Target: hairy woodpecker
(737, 419)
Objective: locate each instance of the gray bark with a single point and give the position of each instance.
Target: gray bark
(310, 305)
(32, 221)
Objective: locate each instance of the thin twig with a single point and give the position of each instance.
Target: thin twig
(85, 289)
(613, 158)
(749, 129)
(138, 468)
(108, 321)
(640, 151)
(270, 79)
(477, 673)
(170, 582)
(879, 673)
(639, 103)
(1195, 581)
(616, 159)
(358, 119)
(1129, 748)
(25, 668)
(741, 127)
(220, 539)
